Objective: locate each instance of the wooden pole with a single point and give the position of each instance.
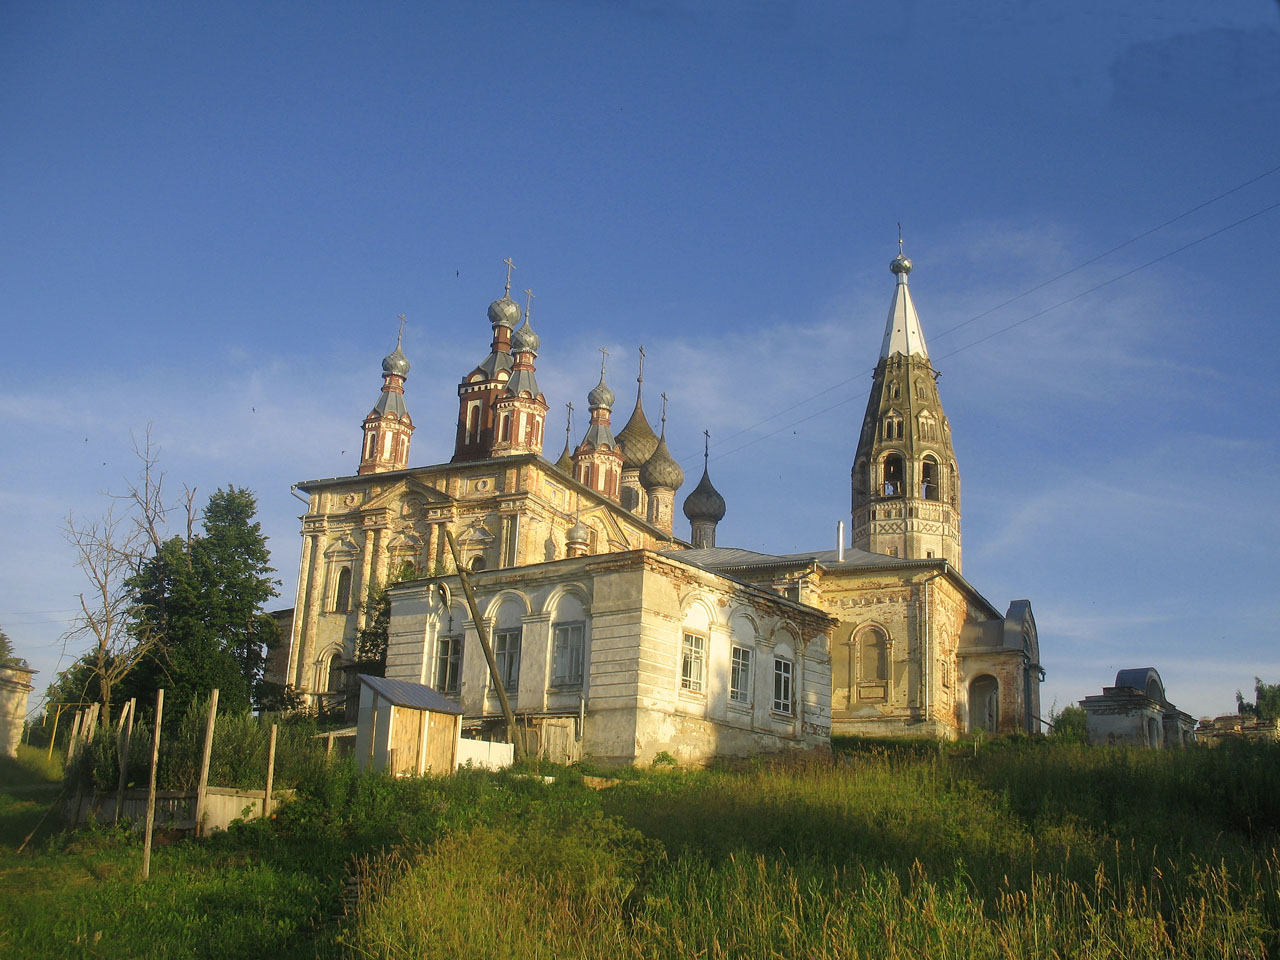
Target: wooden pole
(57, 714)
(483, 632)
(271, 770)
(73, 740)
(202, 787)
(328, 748)
(124, 741)
(151, 789)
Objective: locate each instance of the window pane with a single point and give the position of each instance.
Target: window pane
(782, 695)
(448, 664)
(507, 653)
(567, 654)
(691, 663)
(740, 676)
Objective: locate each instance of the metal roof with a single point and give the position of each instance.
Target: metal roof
(902, 333)
(404, 693)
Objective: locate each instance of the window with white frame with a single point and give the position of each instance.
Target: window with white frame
(506, 651)
(740, 676)
(342, 594)
(567, 654)
(448, 664)
(692, 662)
(783, 686)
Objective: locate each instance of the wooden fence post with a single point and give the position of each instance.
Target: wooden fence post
(124, 741)
(202, 788)
(57, 715)
(328, 748)
(151, 790)
(271, 771)
(73, 739)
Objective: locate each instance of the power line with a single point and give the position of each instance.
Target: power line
(1080, 266)
(995, 333)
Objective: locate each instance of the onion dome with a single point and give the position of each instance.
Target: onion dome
(565, 463)
(661, 469)
(705, 503)
(636, 440)
(504, 312)
(900, 265)
(525, 340)
(578, 533)
(396, 363)
(601, 395)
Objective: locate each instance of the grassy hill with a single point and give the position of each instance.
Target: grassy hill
(1017, 849)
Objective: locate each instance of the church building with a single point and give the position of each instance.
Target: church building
(617, 636)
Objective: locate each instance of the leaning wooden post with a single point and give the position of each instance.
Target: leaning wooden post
(73, 740)
(202, 788)
(151, 789)
(483, 633)
(271, 771)
(123, 743)
(53, 737)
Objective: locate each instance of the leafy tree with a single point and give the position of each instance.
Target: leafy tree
(7, 657)
(1266, 701)
(204, 596)
(371, 641)
(1068, 724)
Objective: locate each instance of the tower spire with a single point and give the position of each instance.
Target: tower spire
(902, 332)
(388, 427)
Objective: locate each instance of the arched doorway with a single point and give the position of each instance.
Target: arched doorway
(984, 704)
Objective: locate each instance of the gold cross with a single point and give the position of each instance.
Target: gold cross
(640, 379)
(510, 266)
(604, 356)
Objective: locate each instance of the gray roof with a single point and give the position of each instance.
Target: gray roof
(1139, 678)
(404, 693)
(391, 401)
(523, 381)
(495, 362)
(728, 558)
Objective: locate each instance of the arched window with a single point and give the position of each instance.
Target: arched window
(873, 656)
(506, 426)
(333, 679)
(929, 478)
(473, 423)
(342, 595)
(893, 476)
(373, 445)
(895, 390)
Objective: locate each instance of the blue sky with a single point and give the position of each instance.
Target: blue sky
(213, 213)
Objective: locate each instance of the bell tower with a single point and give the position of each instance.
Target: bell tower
(906, 487)
(388, 427)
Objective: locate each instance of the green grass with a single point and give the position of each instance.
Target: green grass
(1020, 849)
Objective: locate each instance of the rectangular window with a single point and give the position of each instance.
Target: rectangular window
(506, 650)
(567, 654)
(448, 664)
(692, 662)
(740, 676)
(782, 686)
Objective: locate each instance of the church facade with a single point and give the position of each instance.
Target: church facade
(615, 636)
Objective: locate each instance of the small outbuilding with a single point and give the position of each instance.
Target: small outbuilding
(405, 728)
(1135, 712)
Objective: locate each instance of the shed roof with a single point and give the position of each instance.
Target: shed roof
(404, 693)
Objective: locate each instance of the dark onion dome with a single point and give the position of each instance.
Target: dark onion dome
(661, 469)
(636, 440)
(705, 503)
(396, 363)
(504, 312)
(525, 340)
(600, 395)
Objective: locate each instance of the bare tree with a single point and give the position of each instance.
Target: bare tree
(109, 551)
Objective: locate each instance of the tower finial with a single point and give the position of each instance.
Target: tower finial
(899, 238)
(400, 333)
(528, 303)
(604, 357)
(510, 266)
(706, 448)
(568, 427)
(664, 414)
(640, 379)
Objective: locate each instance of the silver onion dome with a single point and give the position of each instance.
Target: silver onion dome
(578, 533)
(504, 312)
(525, 340)
(396, 363)
(705, 503)
(661, 469)
(900, 264)
(600, 395)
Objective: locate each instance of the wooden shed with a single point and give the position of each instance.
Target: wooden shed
(405, 728)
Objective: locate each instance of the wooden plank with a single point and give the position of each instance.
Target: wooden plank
(203, 784)
(271, 770)
(151, 790)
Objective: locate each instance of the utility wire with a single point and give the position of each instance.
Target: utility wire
(995, 333)
(1080, 266)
